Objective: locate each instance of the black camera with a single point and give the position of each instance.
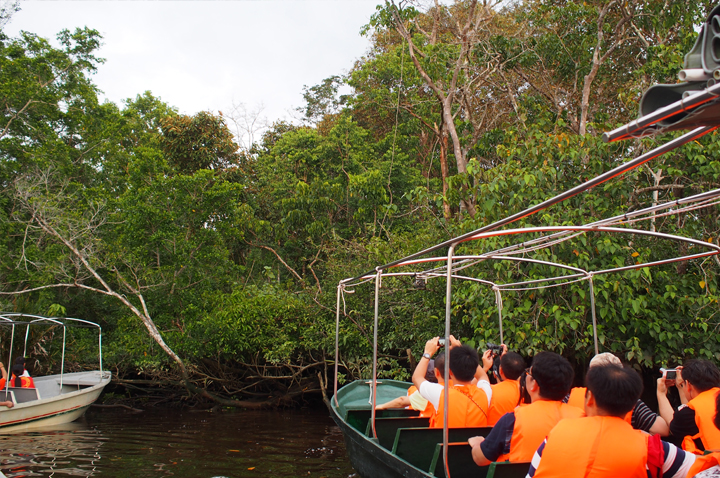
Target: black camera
(496, 350)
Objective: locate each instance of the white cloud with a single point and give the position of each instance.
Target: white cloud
(204, 55)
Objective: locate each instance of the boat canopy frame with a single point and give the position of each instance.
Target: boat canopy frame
(14, 319)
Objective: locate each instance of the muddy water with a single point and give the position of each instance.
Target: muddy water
(158, 443)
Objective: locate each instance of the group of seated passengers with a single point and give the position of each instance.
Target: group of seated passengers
(20, 378)
(601, 430)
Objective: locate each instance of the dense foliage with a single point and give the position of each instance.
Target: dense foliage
(224, 264)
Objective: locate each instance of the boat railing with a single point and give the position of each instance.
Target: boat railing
(15, 319)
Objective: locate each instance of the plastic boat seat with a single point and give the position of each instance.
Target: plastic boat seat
(506, 469)
(460, 461)
(23, 395)
(417, 445)
(359, 418)
(386, 428)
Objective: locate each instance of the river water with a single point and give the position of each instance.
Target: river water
(182, 443)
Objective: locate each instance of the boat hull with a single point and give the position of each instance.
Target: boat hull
(73, 397)
(369, 459)
(367, 456)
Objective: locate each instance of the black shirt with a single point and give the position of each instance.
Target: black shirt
(682, 425)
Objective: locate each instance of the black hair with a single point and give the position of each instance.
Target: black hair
(440, 364)
(524, 395)
(464, 362)
(17, 370)
(553, 374)
(702, 374)
(20, 360)
(512, 365)
(616, 389)
(716, 418)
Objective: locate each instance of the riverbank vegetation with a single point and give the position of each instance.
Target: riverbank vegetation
(214, 267)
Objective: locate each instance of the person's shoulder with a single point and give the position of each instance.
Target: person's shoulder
(571, 412)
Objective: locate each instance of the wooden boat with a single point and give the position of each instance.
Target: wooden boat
(56, 399)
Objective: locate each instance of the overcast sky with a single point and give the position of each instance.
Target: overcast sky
(207, 55)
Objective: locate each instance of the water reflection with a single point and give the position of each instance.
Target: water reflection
(181, 443)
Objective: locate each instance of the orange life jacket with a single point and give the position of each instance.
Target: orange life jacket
(468, 408)
(703, 463)
(594, 447)
(505, 397)
(577, 399)
(429, 410)
(27, 382)
(704, 406)
(532, 425)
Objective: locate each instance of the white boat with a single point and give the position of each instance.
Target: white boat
(56, 399)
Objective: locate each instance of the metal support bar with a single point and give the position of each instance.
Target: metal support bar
(375, 347)
(448, 312)
(594, 318)
(499, 303)
(623, 168)
(337, 342)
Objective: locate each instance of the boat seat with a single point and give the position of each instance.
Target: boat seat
(386, 428)
(417, 445)
(460, 460)
(358, 418)
(7, 397)
(506, 469)
(23, 395)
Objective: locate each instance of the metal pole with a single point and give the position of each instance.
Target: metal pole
(594, 318)
(375, 344)
(448, 311)
(498, 302)
(337, 342)
(623, 168)
(12, 341)
(100, 346)
(635, 127)
(62, 362)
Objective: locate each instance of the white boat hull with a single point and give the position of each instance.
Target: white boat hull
(57, 404)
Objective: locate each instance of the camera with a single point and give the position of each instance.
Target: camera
(668, 373)
(441, 342)
(496, 350)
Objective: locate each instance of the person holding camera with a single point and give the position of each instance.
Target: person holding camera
(413, 399)
(603, 444)
(640, 417)
(517, 435)
(505, 393)
(698, 383)
(468, 402)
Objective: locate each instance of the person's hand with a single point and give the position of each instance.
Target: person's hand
(487, 360)
(679, 382)
(662, 386)
(8, 404)
(454, 342)
(505, 349)
(432, 346)
(475, 441)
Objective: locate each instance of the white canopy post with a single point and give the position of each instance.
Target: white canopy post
(373, 397)
(337, 342)
(499, 303)
(592, 308)
(446, 375)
